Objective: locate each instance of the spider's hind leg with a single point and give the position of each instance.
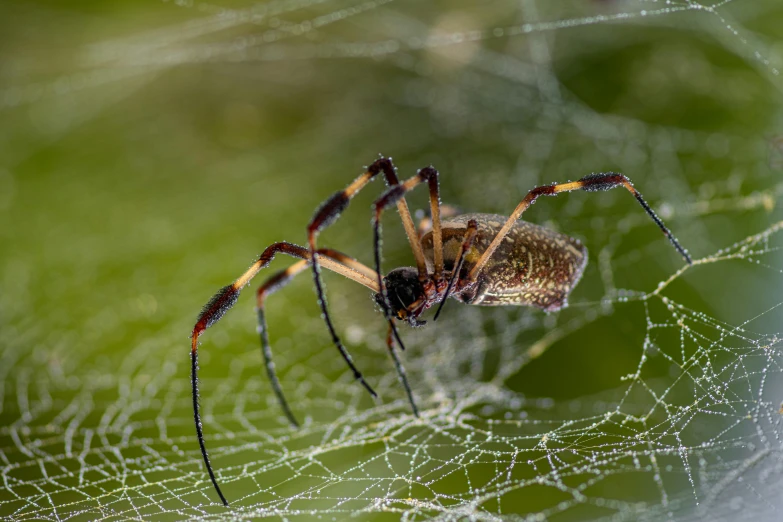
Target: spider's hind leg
(596, 182)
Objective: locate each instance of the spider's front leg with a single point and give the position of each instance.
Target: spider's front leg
(215, 308)
(327, 214)
(227, 296)
(333, 260)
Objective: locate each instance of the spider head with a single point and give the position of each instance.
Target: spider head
(405, 294)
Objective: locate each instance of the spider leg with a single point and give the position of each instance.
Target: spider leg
(363, 275)
(590, 183)
(400, 371)
(467, 241)
(394, 194)
(331, 209)
(270, 286)
(227, 296)
(328, 213)
(425, 223)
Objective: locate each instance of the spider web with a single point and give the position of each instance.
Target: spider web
(686, 423)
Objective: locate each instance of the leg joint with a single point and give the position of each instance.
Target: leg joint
(386, 166)
(427, 173)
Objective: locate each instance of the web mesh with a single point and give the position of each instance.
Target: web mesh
(703, 439)
(96, 413)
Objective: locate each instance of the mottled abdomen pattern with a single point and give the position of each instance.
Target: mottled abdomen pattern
(533, 266)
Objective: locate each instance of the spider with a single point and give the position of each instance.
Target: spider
(478, 259)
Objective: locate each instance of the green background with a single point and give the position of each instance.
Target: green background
(150, 150)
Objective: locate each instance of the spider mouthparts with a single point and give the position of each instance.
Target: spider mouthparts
(414, 322)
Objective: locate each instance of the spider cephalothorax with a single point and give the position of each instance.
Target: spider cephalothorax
(479, 259)
(405, 295)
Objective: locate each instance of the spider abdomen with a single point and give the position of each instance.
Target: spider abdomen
(533, 266)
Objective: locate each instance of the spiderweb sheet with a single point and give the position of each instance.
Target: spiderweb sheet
(686, 423)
